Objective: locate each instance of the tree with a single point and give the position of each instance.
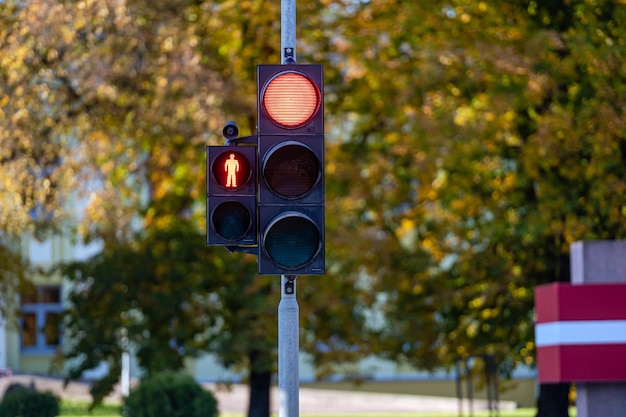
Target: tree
(486, 139)
(468, 150)
(13, 273)
(131, 92)
(160, 291)
(31, 176)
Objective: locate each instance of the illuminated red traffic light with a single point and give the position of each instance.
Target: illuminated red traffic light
(231, 170)
(291, 99)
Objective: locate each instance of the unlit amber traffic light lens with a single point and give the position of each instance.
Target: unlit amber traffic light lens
(291, 170)
(291, 100)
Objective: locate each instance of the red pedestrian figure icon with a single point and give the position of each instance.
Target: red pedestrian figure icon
(231, 166)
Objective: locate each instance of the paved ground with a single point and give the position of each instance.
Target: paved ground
(235, 398)
(345, 402)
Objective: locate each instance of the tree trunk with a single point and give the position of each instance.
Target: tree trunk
(260, 384)
(553, 400)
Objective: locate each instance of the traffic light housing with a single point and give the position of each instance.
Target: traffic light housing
(231, 195)
(290, 102)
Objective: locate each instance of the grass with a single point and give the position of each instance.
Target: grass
(81, 409)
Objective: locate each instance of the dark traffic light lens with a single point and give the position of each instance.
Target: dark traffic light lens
(291, 170)
(231, 170)
(231, 220)
(292, 240)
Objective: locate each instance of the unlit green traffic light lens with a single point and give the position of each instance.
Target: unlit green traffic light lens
(292, 241)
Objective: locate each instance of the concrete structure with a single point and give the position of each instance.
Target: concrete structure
(600, 262)
(581, 332)
(31, 345)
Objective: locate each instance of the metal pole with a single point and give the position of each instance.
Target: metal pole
(288, 349)
(470, 392)
(125, 377)
(288, 31)
(288, 311)
(459, 386)
(125, 380)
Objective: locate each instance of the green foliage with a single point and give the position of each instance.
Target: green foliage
(168, 394)
(160, 293)
(26, 402)
(122, 101)
(13, 277)
(469, 151)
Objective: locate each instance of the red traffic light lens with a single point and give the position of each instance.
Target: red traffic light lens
(291, 99)
(231, 170)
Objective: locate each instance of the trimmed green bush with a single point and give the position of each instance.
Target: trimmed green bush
(171, 395)
(29, 403)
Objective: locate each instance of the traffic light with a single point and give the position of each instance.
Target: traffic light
(290, 102)
(231, 195)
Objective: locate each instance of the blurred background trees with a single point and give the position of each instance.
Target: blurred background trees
(469, 143)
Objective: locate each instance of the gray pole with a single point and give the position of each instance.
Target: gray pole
(125, 376)
(288, 31)
(288, 349)
(288, 311)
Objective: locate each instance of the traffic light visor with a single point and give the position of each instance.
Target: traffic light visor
(291, 99)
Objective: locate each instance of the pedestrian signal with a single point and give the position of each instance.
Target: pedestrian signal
(231, 170)
(231, 195)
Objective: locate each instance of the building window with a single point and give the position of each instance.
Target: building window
(41, 319)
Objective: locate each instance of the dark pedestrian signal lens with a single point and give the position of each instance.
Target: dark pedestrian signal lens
(231, 220)
(292, 240)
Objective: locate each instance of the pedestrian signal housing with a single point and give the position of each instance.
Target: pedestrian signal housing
(231, 195)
